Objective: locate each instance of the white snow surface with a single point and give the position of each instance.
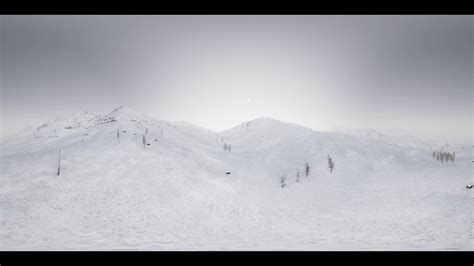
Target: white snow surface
(174, 194)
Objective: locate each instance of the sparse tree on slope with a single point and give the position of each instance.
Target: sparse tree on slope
(144, 141)
(59, 162)
(282, 180)
(297, 175)
(118, 136)
(306, 169)
(331, 164)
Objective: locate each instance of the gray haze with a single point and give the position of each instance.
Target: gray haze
(401, 75)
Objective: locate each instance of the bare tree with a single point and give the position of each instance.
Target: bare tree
(451, 157)
(118, 136)
(306, 169)
(144, 141)
(297, 175)
(282, 180)
(330, 164)
(59, 162)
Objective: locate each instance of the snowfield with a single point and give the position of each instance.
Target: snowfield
(174, 194)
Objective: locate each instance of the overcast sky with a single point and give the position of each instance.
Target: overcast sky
(401, 75)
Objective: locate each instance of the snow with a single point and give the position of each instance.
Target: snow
(404, 141)
(175, 194)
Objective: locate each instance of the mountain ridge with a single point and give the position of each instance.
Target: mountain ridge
(85, 119)
(147, 184)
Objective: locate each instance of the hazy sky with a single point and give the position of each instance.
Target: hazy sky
(397, 74)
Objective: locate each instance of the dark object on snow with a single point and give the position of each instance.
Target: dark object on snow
(227, 173)
(134, 133)
(124, 131)
(156, 139)
(330, 163)
(59, 163)
(282, 181)
(148, 144)
(469, 186)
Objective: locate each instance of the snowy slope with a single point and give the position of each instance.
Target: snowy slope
(175, 194)
(404, 141)
(60, 126)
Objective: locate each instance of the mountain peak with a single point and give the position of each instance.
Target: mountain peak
(267, 126)
(121, 109)
(265, 121)
(125, 113)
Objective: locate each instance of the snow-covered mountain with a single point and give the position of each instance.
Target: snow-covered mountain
(129, 181)
(404, 141)
(61, 126)
(123, 113)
